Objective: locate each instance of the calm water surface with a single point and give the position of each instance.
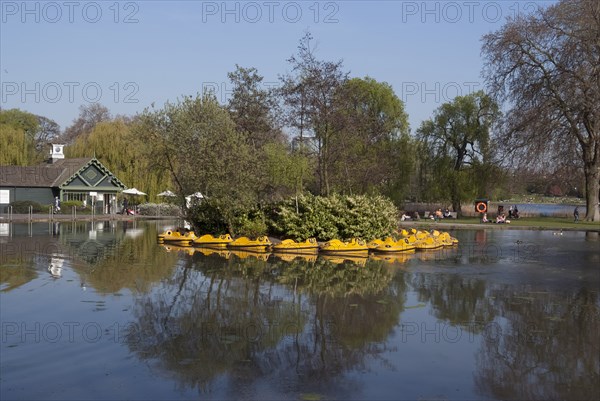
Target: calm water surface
(101, 311)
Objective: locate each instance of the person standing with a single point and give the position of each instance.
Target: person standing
(576, 213)
(56, 204)
(125, 206)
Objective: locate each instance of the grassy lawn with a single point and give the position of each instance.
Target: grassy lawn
(554, 223)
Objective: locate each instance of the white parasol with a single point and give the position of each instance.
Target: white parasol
(133, 191)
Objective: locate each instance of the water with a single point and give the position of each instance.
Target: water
(100, 311)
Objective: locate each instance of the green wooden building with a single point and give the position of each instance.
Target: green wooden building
(78, 179)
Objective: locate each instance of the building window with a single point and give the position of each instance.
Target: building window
(75, 196)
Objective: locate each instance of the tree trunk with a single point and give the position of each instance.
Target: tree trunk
(592, 186)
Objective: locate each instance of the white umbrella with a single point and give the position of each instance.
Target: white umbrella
(133, 191)
(188, 199)
(166, 193)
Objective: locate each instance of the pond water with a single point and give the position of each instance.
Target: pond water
(101, 311)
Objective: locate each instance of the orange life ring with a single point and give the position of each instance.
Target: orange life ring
(481, 207)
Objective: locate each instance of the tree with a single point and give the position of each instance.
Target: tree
(89, 116)
(196, 141)
(251, 108)
(48, 131)
(117, 146)
(458, 137)
(546, 67)
(309, 93)
(371, 152)
(17, 133)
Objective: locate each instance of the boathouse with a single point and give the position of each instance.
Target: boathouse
(77, 179)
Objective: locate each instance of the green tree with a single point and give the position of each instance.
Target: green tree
(457, 141)
(252, 107)
(17, 132)
(372, 152)
(197, 142)
(546, 67)
(117, 146)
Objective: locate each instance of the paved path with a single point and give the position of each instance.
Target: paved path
(20, 218)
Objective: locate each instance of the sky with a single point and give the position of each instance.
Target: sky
(128, 55)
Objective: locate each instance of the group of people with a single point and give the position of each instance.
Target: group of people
(513, 212)
(500, 219)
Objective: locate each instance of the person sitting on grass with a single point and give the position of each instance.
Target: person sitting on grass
(501, 219)
(484, 218)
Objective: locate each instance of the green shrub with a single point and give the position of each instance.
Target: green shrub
(251, 224)
(335, 216)
(21, 207)
(159, 209)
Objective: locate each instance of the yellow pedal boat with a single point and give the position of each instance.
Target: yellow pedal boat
(428, 243)
(354, 246)
(208, 240)
(177, 237)
(257, 245)
(289, 245)
(402, 245)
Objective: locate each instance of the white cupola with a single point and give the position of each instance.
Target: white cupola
(56, 153)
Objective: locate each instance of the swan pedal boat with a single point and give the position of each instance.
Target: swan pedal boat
(177, 237)
(428, 243)
(208, 240)
(289, 245)
(389, 245)
(353, 247)
(257, 245)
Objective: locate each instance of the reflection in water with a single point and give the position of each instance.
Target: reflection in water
(235, 324)
(218, 315)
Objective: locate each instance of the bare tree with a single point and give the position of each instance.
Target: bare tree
(546, 67)
(89, 116)
(309, 94)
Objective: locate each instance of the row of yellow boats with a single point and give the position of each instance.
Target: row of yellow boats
(407, 241)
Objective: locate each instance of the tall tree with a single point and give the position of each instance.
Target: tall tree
(308, 93)
(458, 137)
(546, 67)
(371, 152)
(252, 106)
(196, 141)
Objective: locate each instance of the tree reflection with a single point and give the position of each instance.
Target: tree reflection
(534, 344)
(549, 348)
(297, 324)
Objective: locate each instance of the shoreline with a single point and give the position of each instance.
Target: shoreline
(424, 224)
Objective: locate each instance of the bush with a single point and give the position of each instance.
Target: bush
(336, 216)
(209, 217)
(21, 207)
(159, 209)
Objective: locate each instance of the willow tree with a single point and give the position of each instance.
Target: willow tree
(457, 139)
(546, 67)
(117, 146)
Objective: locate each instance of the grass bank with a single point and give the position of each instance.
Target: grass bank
(531, 223)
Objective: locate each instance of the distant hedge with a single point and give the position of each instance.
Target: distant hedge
(336, 216)
(21, 207)
(159, 209)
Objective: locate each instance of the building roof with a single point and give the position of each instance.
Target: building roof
(48, 174)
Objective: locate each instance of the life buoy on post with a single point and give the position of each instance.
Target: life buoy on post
(481, 207)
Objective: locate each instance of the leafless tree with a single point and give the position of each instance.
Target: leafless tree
(546, 67)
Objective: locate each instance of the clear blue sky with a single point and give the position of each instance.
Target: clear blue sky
(56, 56)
